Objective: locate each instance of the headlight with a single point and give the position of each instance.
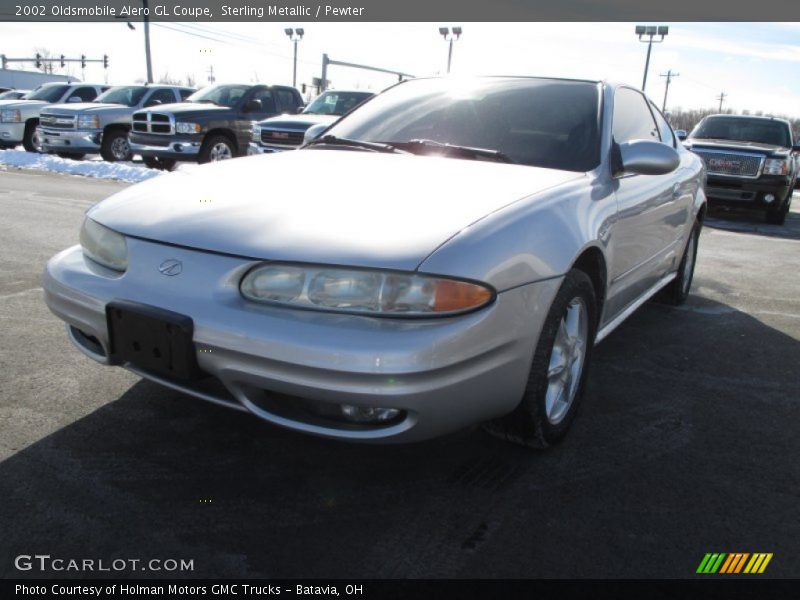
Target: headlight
(379, 293)
(104, 246)
(10, 116)
(188, 128)
(776, 166)
(88, 122)
(255, 133)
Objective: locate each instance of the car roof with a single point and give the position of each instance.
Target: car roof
(750, 117)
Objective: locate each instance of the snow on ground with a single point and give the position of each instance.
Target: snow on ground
(122, 171)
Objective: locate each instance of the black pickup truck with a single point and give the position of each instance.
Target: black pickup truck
(213, 124)
(751, 162)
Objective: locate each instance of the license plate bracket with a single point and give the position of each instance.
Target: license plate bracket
(152, 338)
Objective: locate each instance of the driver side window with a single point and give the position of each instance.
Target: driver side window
(632, 117)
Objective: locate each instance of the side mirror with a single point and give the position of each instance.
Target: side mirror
(299, 110)
(314, 132)
(681, 134)
(253, 106)
(644, 157)
(154, 102)
(74, 99)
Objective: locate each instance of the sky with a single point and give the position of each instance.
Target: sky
(757, 65)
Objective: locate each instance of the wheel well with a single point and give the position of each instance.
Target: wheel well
(224, 132)
(33, 121)
(701, 214)
(118, 126)
(593, 263)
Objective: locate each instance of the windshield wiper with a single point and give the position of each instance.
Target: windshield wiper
(332, 140)
(452, 148)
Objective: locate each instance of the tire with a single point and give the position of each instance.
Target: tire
(115, 146)
(163, 164)
(778, 216)
(215, 148)
(76, 156)
(678, 289)
(30, 139)
(540, 420)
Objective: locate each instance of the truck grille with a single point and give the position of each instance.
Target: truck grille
(281, 137)
(56, 121)
(738, 164)
(148, 122)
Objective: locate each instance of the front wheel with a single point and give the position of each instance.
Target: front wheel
(678, 289)
(115, 146)
(216, 148)
(778, 216)
(559, 369)
(31, 140)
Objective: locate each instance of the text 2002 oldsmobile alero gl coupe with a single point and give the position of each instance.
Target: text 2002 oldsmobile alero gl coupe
(445, 255)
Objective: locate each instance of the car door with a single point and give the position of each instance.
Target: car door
(643, 241)
(247, 118)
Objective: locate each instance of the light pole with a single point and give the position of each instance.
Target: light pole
(146, 20)
(295, 35)
(649, 31)
(450, 35)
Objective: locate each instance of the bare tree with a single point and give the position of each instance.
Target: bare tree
(47, 65)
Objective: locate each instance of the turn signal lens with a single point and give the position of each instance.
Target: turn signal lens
(379, 293)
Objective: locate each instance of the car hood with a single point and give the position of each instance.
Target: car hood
(300, 122)
(735, 145)
(187, 109)
(83, 107)
(360, 208)
(4, 104)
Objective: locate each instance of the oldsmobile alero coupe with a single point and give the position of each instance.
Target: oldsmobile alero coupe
(445, 255)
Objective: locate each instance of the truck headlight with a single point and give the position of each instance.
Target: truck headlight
(88, 122)
(10, 116)
(776, 166)
(104, 246)
(188, 127)
(363, 291)
(255, 133)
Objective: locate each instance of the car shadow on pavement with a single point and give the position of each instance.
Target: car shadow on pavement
(686, 441)
(748, 221)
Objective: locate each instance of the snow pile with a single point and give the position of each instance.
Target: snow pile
(88, 168)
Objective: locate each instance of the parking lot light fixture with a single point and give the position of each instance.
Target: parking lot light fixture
(294, 35)
(647, 34)
(450, 35)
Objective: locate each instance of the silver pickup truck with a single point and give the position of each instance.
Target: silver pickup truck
(102, 126)
(19, 118)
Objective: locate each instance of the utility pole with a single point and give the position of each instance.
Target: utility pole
(721, 98)
(669, 75)
(147, 41)
(650, 31)
(211, 78)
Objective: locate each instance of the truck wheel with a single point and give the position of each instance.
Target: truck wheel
(215, 148)
(558, 372)
(115, 146)
(677, 291)
(163, 164)
(777, 216)
(30, 139)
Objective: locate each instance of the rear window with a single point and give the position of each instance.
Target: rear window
(761, 131)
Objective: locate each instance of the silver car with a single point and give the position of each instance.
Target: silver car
(473, 239)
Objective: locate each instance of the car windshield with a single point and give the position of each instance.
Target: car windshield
(222, 95)
(762, 131)
(48, 93)
(127, 95)
(336, 103)
(537, 122)
(11, 95)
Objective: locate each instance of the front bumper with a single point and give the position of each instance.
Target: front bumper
(748, 193)
(443, 374)
(12, 133)
(254, 148)
(85, 141)
(163, 146)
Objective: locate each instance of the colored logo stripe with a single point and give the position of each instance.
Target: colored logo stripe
(734, 562)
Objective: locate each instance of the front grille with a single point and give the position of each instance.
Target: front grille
(738, 164)
(282, 137)
(148, 122)
(57, 122)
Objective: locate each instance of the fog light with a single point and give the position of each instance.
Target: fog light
(769, 198)
(368, 414)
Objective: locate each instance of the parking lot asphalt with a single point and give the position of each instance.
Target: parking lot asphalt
(686, 443)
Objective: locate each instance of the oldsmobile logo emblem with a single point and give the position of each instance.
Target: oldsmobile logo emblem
(170, 267)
